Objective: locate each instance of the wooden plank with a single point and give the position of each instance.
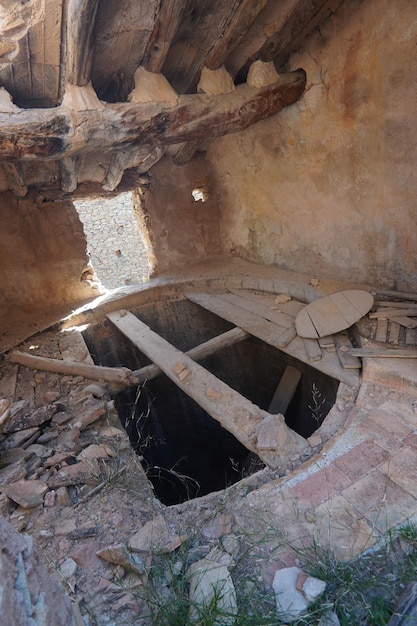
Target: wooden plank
(381, 330)
(326, 342)
(290, 308)
(403, 295)
(198, 353)
(259, 309)
(395, 305)
(407, 322)
(326, 317)
(329, 364)
(237, 414)
(312, 348)
(327, 314)
(305, 326)
(346, 307)
(257, 326)
(394, 332)
(285, 391)
(388, 353)
(343, 346)
(119, 375)
(392, 313)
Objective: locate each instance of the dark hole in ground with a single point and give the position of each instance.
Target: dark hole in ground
(186, 453)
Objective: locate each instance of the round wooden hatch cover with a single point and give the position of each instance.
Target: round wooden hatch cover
(333, 313)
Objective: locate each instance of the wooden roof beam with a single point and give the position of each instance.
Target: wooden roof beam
(291, 27)
(165, 27)
(61, 132)
(81, 20)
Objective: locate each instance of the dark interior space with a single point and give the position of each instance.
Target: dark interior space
(185, 451)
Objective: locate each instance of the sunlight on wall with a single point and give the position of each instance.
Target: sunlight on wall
(117, 239)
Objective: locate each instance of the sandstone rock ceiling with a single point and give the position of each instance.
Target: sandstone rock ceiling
(48, 45)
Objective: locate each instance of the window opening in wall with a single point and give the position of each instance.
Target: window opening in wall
(118, 242)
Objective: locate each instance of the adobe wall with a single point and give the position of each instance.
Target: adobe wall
(42, 254)
(328, 186)
(181, 229)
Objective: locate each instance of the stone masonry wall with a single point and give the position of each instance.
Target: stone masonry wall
(116, 239)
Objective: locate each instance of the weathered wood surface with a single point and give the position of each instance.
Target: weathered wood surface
(268, 313)
(312, 348)
(79, 53)
(407, 322)
(392, 313)
(68, 169)
(403, 295)
(388, 353)
(301, 20)
(381, 330)
(292, 26)
(237, 414)
(117, 375)
(394, 305)
(343, 347)
(246, 13)
(60, 132)
(333, 313)
(405, 613)
(164, 31)
(259, 327)
(289, 308)
(285, 391)
(264, 330)
(14, 179)
(229, 338)
(394, 333)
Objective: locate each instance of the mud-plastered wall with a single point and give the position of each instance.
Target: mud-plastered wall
(183, 228)
(328, 186)
(42, 254)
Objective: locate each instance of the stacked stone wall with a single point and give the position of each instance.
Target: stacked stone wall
(117, 241)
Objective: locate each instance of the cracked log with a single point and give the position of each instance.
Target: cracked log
(80, 26)
(121, 376)
(60, 132)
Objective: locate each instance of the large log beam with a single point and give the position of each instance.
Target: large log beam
(80, 26)
(61, 132)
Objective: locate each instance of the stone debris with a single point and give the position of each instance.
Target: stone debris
(155, 536)
(118, 554)
(211, 584)
(67, 571)
(329, 619)
(218, 526)
(35, 417)
(294, 592)
(29, 595)
(27, 493)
